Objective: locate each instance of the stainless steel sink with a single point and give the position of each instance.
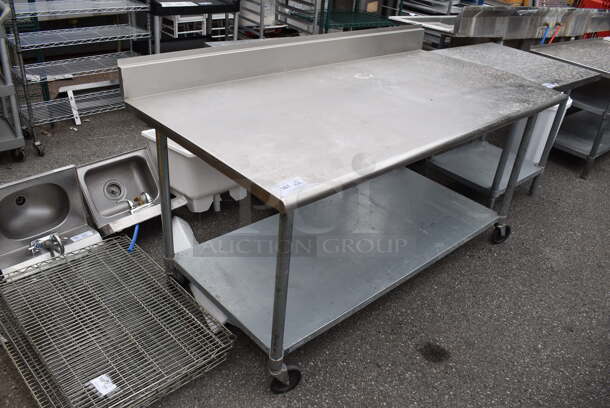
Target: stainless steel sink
(32, 208)
(119, 186)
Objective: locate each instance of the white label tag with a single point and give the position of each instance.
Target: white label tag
(82, 235)
(286, 187)
(103, 384)
(550, 84)
(178, 4)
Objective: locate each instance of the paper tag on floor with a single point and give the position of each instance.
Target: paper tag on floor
(550, 84)
(103, 384)
(288, 186)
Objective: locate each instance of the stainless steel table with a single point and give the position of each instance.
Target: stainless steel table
(321, 128)
(579, 136)
(471, 164)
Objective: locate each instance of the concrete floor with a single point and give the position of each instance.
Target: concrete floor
(523, 324)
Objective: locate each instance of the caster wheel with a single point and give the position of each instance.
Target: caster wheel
(294, 377)
(500, 234)
(39, 150)
(18, 155)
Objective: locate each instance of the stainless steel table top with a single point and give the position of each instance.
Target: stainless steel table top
(545, 71)
(592, 53)
(294, 137)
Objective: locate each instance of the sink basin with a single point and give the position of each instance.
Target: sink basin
(107, 185)
(38, 206)
(33, 209)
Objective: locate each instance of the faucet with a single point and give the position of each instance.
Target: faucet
(52, 243)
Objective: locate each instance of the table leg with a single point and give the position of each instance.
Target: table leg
(157, 33)
(284, 378)
(516, 169)
(495, 185)
(236, 26)
(596, 144)
(550, 142)
(166, 206)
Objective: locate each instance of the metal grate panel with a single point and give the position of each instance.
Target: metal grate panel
(75, 36)
(73, 67)
(88, 104)
(105, 311)
(43, 8)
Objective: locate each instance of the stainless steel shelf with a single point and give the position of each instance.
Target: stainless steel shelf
(43, 8)
(72, 68)
(75, 36)
(577, 133)
(433, 6)
(88, 104)
(474, 164)
(424, 220)
(594, 98)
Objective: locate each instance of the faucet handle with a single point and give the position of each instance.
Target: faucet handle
(35, 247)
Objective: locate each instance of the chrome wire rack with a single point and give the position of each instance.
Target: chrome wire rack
(72, 68)
(75, 36)
(88, 104)
(43, 8)
(104, 327)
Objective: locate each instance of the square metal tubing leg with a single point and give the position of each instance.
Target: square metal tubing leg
(550, 142)
(516, 169)
(495, 185)
(596, 144)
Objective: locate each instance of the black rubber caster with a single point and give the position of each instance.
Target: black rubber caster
(18, 155)
(500, 233)
(294, 378)
(39, 149)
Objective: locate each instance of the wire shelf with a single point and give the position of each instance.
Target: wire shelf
(75, 36)
(72, 68)
(88, 104)
(43, 8)
(29, 366)
(104, 311)
(349, 19)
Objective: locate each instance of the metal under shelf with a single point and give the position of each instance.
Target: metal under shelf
(594, 98)
(44, 8)
(578, 132)
(88, 104)
(414, 220)
(474, 164)
(75, 36)
(72, 68)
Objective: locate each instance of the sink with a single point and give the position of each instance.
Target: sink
(37, 206)
(33, 209)
(113, 188)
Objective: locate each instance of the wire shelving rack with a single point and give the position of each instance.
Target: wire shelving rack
(36, 107)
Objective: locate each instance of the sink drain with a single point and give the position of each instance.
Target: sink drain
(113, 190)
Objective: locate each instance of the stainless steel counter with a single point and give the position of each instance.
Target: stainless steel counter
(591, 53)
(320, 129)
(554, 74)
